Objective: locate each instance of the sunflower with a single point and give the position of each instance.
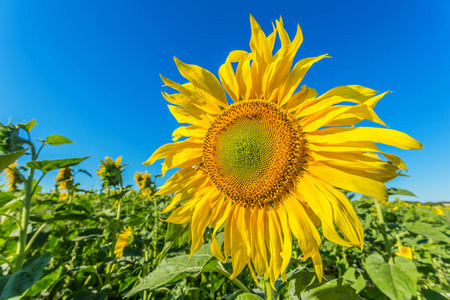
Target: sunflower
(64, 178)
(12, 176)
(110, 171)
(64, 195)
(123, 240)
(268, 164)
(404, 251)
(143, 180)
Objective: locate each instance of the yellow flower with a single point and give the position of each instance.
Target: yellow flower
(405, 252)
(123, 240)
(437, 211)
(143, 180)
(64, 195)
(64, 178)
(419, 204)
(110, 172)
(11, 175)
(394, 207)
(267, 164)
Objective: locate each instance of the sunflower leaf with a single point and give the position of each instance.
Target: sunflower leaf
(401, 192)
(28, 126)
(175, 268)
(48, 165)
(57, 139)
(7, 159)
(248, 296)
(391, 279)
(25, 278)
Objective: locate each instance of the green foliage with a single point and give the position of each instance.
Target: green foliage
(7, 159)
(48, 165)
(57, 139)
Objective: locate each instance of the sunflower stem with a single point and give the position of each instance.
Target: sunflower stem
(383, 230)
(109, 268)
(269, 292)
(25, 212)
(221, 270)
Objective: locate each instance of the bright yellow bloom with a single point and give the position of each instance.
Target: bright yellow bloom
(267, 164)
(64, 195)
(143, 180)
(394, 207)
(437, 211)
(123, 240)
(110, 171)
(419, 204)
(405, 252)
(11, 175)
(65, 178)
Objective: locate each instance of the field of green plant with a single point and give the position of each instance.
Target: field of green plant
(112, 243)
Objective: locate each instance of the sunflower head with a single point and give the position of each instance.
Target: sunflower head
(143, 180)
(404, 251)
(438, 211)
(64, 195)
(65, 178)
(268, 165)
(124, 239)
(9, 139)
(12, 176)
(110, 171)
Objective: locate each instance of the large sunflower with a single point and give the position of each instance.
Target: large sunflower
(269, 164)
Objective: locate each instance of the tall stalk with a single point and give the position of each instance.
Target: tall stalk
(383, 230)
(22, 244)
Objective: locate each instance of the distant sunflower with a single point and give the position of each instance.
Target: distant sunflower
(143, 180)
(12, 176)
(64, 195)
(404, 251)
(110, 171)
(64, 178)
(268, 165)
(123, 240)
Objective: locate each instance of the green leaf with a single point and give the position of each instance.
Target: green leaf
(7, 159)
(390, 279)
(68, 215)
(173, 269)
(409, 268)
(25, 278)
(28, 126)
(333, 289)
(248, 296)
(428, 231)
(433, 295)
(44, 283)
(179, 291)
(5, 197)
(49, 165)
(57, 139)
(304, 285)
(402, 192)
(357, 283)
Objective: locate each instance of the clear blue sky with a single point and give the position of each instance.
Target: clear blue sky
(89, 70)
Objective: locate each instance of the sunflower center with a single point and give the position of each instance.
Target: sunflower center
(252, 151)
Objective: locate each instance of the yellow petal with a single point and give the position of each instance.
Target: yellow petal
(202, 79)
(352, 134)
(353, 180)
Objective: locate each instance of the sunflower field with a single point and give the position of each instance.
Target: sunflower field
(112, 243)
(276, 194)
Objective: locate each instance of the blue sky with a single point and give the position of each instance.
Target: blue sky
(90, 70)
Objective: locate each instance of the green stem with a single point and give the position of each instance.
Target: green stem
(221, 270)
(155, 230)
(25, 219)
(269, 292)
(109, 268)
(383, 230)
